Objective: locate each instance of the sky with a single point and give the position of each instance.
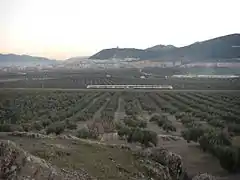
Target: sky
(61, 29)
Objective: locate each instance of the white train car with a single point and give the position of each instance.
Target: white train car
(130, 86)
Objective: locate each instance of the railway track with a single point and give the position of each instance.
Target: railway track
(120, 90)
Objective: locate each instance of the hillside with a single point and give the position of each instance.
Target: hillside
(120, 53)
(23, 60)
(224, 47)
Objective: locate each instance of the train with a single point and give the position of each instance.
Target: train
(130, 86)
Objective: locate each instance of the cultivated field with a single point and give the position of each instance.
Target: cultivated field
(138, 119)
(80, 79)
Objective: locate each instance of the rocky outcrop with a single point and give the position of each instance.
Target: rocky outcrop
(15, 163)
(204, 176)
(155, 170)
(171, 161)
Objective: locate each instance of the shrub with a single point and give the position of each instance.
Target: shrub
(83, 133)
(10, 127)
(130, 122)
(219, 138)
(56, 128)
(86, 133)
(38, 126)
(144, 137)
(209, 140)
(124, 131)
(216, 123)
(163, 122)
(27, 127)
(160, 119)
(193, 134)
(136, 136)
(155, 118)
(149, 137)
(169, 127)
(131, 108)
(172, 110)
(119, 125)
(229, 158)
(142, 124)
(186, 120)
(46, 122)
(70, 125)
(16, 127)
(204, 143)
(235, 128)
(6, 128)
(135, 123)
(82, 117)
(180, 115)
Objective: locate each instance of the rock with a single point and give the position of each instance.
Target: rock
(69, 137)
(169, 137)
(204, 176)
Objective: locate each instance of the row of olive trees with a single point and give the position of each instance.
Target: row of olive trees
(145, 137)
(218, 143)
(50, 127)
(37, 106)
(133, 121)
(131, 106)
(146, 103)
(163, 122)
(108, 112)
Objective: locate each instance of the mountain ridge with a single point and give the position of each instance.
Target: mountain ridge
(14, 59)
(215, 48)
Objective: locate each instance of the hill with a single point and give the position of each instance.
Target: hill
(224, 47)
(23, 60)
(122, 53)
(161, 48)
(76, 59)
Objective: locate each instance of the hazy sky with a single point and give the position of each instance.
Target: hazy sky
(65, 28)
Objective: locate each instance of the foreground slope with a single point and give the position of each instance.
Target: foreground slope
(46, 157)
